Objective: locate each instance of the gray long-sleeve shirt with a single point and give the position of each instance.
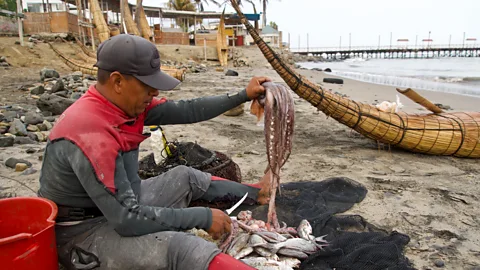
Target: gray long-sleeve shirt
(91, 160)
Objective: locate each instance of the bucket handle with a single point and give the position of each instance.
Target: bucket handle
(14, 238)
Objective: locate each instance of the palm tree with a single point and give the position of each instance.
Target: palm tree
(264, 2)
(200, 3)
(184, 5)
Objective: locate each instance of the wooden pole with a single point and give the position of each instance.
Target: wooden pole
(91, 28)
(205, 48)
(122, 12)
(414, 96)
(20, 22)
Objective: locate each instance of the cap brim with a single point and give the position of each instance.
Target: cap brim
(159, 80)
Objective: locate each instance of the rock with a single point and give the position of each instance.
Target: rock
(37, 90)
(30, 151)
(2, 117)
(252, 152)
(18, 128)
(6, 141)
(82, 89)
(63, 93)
(76, 95)
(54, 103)
(77, 75)
(48, 124)
(41, 137)
(46, 114)
(29, 171)
(32, 128)
(42, 127)
(20, 167)
(3, 59)
(317, 69)
(10, 115)
(48, 73)
(59, 86)
(231, 73)
(50, 119)
(24, 140)
(12, 162)
(327, 70)
(439, 263)
(22, 118)
(3, 129)
(33, 118)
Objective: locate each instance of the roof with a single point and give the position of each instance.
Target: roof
(268, 30)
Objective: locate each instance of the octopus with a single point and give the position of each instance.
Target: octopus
(277, 108)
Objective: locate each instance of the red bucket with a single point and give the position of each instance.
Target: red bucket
(27, 233)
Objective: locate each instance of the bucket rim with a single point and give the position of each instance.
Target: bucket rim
(50, 219)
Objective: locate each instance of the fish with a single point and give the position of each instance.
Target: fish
(238, 244)
(293, 253)
(244, 252)
(298, 244)
(291, 262)
(264, 252)
(272, 237)
(304, 230)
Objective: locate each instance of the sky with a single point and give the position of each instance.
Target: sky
(326, 21)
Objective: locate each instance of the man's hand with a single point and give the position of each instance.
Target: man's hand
(221, 224)
(255, 88)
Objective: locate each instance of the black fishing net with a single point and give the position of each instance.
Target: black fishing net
(353, 242)
(192, 155)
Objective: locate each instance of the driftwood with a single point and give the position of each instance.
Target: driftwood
(453, 134)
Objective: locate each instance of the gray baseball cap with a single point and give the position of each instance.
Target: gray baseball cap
(136, 56)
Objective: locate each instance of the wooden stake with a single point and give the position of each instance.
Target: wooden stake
(20, 22)
(414, 96)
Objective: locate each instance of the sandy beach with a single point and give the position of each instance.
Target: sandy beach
(432, 199)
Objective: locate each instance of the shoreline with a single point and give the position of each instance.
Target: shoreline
(460, 81)
(373, 93)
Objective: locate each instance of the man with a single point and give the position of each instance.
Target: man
(110, 219)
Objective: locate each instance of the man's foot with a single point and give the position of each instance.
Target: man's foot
(264, 193)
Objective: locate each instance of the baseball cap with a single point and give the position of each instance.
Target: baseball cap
(136, 56)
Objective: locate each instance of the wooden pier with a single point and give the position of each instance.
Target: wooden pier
(393, 52)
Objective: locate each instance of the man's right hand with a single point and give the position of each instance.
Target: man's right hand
(221, 224)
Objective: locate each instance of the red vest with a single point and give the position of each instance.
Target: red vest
(100, 130)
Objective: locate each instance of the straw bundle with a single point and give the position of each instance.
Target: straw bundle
(222, 48)
(455, 134)
(99, 21)
(141, 20)
(88, 68)
(85, 49)
(114, 31)
(130, 24)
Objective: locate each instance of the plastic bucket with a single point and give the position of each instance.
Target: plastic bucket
(27, 233)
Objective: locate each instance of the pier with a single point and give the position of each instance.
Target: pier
(393, 52)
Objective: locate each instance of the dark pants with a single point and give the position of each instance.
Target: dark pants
(94, 243)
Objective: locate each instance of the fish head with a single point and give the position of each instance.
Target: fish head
(305, 227)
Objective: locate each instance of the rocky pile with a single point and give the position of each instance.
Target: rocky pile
(191, 66)
(54, 94)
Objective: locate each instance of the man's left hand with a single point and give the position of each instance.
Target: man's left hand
(255, 88)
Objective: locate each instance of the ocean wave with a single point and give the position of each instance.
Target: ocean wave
(447, 85)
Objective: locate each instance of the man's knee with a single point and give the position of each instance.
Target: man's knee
(197, 180)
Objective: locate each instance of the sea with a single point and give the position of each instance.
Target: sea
(452, 75)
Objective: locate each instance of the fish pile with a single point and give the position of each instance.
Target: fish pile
(255, 245)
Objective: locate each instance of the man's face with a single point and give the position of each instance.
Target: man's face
(135, 96)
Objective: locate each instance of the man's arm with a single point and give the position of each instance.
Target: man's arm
(122, 209)
(194, 110)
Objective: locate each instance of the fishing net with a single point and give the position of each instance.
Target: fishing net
(192, 155)
(353, 242)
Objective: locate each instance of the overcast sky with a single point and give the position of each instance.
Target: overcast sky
(325, 21)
